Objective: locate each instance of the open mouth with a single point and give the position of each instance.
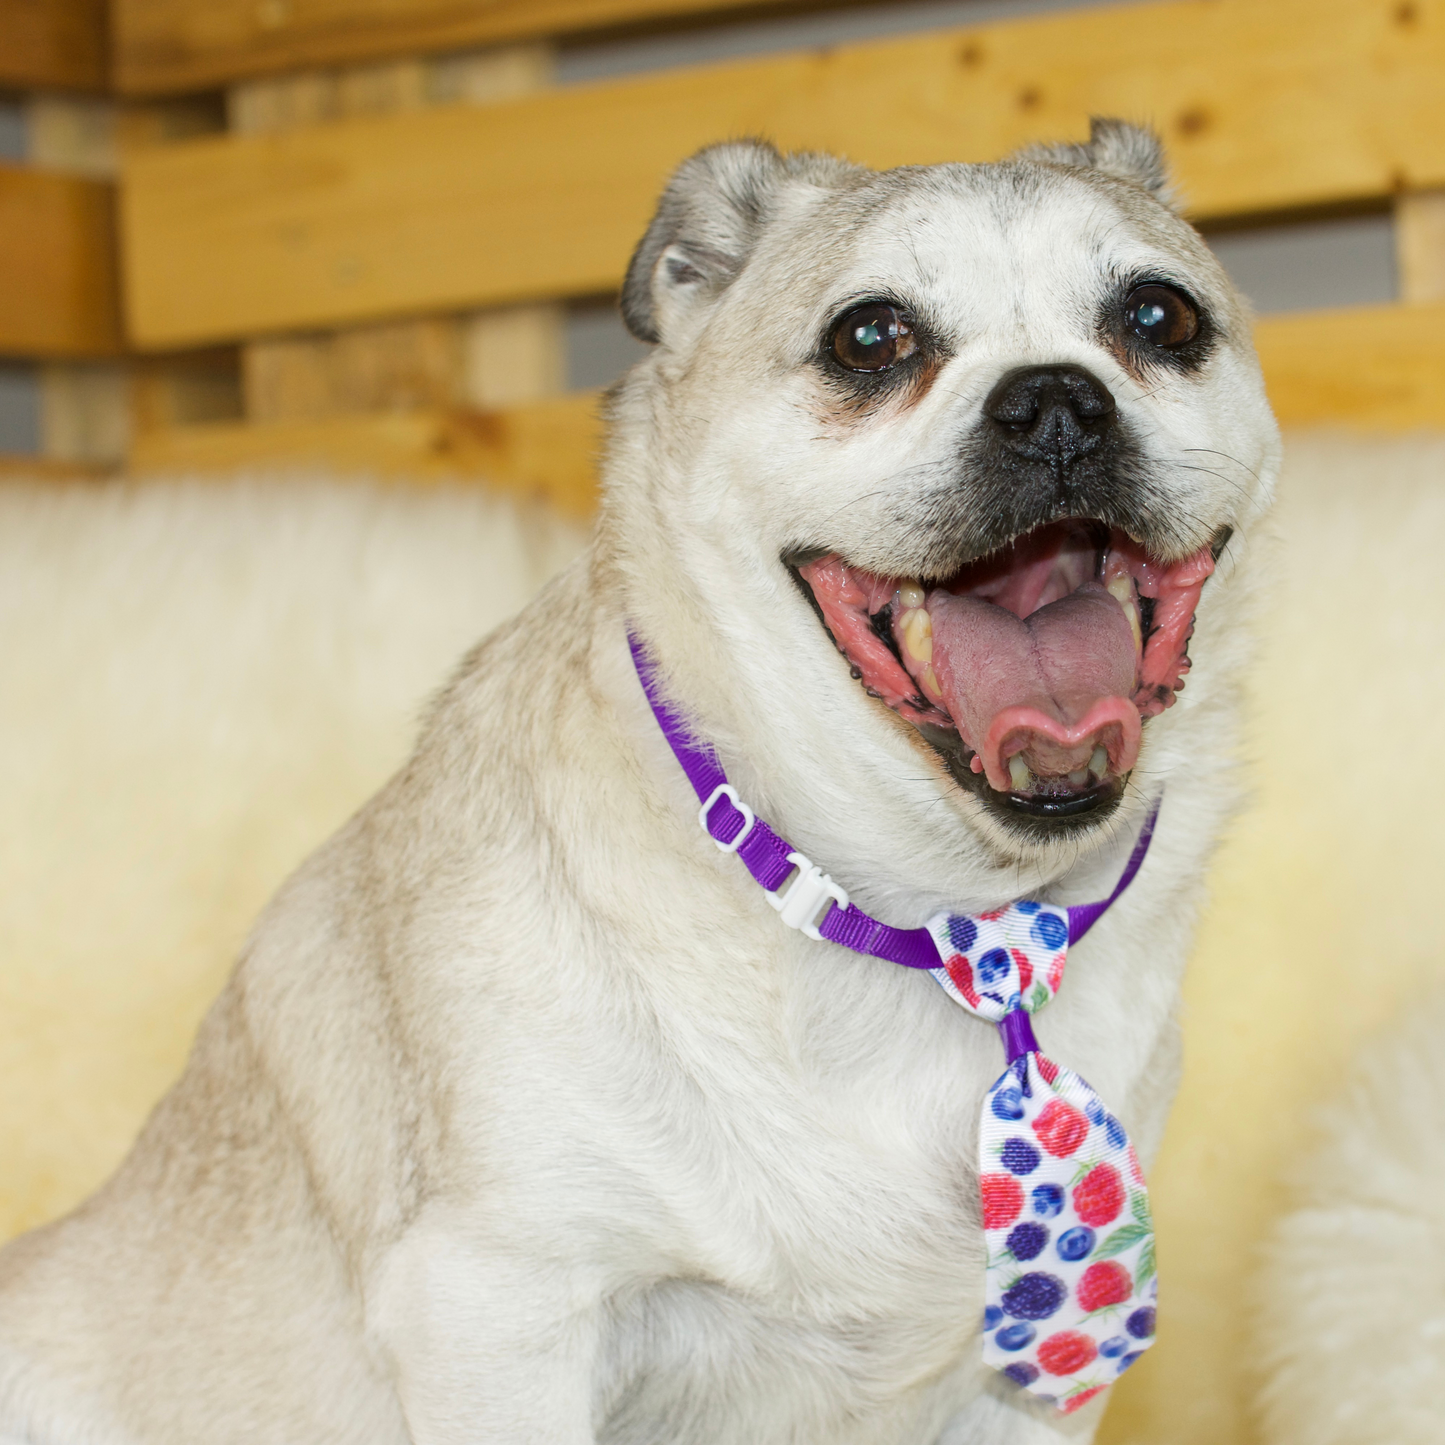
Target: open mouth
(1032, 670)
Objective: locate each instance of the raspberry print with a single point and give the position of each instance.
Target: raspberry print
(1141, 1323)
(1022, 1373)
(1048, 1068)
(1099, 1195)
(1077, 1402)
(1076, 1243)
(1061, 1128)
(1003, 1199)
(1034, 1296)
(1055, 974)
(1066, 1353)
(1027, 1241)
(1025, 968)
(1047, 1200)
(1019, 1156)
(1015, 1337)
(957, 968)
(1104, 1283)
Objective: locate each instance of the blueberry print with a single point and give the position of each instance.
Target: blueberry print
(1047, 1199)
(1128, 1360)
(1022, 1373)
(1015, 1337)
(1034, 1296)
(993, 1316)
(1008, 1105)
(994, 966)
(1111, 1348)
(1019, 1157)
(1141, 1323)
(1050, 931)
(962, 931)
(1027, 1241)
(1118, 1139)
(1095, 1112)
(1076, 1243)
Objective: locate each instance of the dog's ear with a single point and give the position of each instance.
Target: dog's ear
(1130, 152)
(705, 226)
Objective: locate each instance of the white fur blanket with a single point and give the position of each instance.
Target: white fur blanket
(1350, 1323)
(198, 682)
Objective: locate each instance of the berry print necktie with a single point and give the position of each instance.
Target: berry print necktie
(1070, 1285)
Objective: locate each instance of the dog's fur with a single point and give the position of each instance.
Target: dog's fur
(523, 1117)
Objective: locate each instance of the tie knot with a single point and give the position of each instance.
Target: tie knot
(1007, 958)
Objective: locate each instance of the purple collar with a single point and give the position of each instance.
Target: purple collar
(772, 860)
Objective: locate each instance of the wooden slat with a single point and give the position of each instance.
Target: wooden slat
(1379, 368)
(1294, 103)
(165, 46)
(1420, 245)
(545, 450)
(57, 257)
(53, 44)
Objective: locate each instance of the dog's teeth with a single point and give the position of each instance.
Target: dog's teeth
(1098, 763)
(918, 634)
(910, 594)
(1019, 775)
(1079, 777)
(1121, 588)
(929, 679)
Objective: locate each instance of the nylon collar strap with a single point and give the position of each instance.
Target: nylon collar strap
(735, 828)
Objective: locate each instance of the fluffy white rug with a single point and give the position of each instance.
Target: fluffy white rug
(1350, 1324)
(198, 683)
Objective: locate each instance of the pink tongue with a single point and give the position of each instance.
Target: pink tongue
(1052, 687)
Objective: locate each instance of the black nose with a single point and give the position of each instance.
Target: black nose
(1052, 414)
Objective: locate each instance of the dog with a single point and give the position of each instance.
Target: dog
(524, 1117)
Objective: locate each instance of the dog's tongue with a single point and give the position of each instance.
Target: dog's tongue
(1050, 688)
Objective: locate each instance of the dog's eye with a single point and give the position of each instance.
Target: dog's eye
(1161, 316)
(872, 338)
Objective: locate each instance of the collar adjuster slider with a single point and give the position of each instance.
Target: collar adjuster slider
(726, 790)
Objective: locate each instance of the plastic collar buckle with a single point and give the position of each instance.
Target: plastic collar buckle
(726, 790)
(801, 907)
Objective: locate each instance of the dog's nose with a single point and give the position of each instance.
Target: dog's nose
(1053, 414)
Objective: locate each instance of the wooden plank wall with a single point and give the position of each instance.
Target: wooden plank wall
(378, 224)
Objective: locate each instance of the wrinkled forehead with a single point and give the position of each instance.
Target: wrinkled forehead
(982, 240)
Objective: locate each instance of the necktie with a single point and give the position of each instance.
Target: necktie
(1069, 1283)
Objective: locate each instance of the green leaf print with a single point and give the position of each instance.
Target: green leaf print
(1146, 1268)
(1120, 1240)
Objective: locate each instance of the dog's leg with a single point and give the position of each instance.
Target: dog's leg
(487, 1347)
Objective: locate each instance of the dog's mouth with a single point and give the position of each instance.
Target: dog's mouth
(1031, 670)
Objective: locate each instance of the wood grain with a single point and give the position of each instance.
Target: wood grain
(53, 44)
(165, 46)
(1420, 245)
(1372, 368)
(545, 450)
(57, 255)
(1291, 104)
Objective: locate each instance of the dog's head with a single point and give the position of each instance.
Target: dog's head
(920, 491)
